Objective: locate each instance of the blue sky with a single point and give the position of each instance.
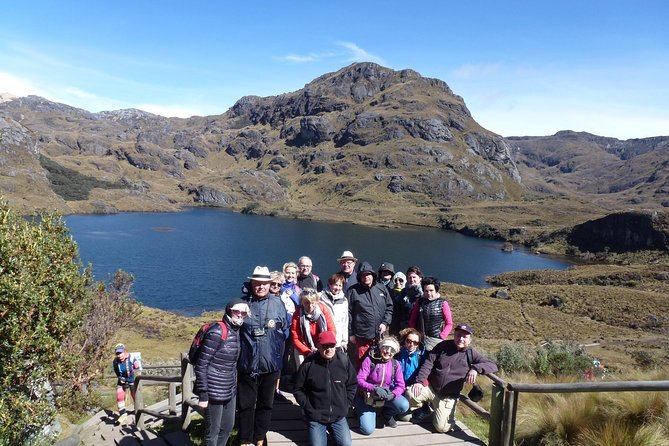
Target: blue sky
(522, 67)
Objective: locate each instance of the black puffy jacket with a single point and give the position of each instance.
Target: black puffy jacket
(216, 366)
(325, 389)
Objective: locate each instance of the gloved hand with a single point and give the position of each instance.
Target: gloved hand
(384, 394)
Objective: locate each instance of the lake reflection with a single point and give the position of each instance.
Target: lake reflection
(196, 260)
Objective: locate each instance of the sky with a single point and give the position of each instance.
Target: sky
(523, 67)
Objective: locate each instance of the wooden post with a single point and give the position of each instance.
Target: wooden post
(496, 415)
(139, 403)
(508, 422)
(172, 398)
(186, 391)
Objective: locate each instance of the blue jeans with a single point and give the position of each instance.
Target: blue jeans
(341, 434)
(367, 414)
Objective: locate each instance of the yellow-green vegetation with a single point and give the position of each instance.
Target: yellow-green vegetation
(595, 419)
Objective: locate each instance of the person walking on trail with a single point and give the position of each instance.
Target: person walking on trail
(124, 367)
(325, 388)
(370, 311)
(216, 374)
(447, 368)
(262, 339)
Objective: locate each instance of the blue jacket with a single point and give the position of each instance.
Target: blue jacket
(263, 336)
(411, 362)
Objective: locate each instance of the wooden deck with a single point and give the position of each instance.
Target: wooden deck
(288, 428)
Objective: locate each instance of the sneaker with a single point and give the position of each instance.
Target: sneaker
(419, 416)
(390, 422)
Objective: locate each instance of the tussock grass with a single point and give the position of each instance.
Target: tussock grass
(594, 419)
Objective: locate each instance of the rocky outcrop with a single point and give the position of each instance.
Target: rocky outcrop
(622, 232)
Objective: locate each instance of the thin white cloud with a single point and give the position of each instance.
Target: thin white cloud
(353, 53)
(296, 58)
(470, 71)
(358, 54)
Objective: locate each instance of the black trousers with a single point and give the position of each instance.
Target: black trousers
(255, 398)
(219, 418)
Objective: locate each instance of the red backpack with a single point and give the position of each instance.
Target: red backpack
(194, 350)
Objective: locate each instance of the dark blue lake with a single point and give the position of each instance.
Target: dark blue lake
(196, 260)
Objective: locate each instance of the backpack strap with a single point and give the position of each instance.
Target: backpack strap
(470, 357)
(224, 330)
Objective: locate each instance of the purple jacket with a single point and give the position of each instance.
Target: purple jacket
(371, 371)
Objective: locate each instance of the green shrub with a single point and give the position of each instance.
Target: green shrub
(553, 358)
(48, 314)
(70, 184)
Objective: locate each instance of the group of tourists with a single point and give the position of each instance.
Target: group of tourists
(371, 340)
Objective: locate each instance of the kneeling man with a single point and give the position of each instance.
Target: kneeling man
(325, 387)
(447, 369)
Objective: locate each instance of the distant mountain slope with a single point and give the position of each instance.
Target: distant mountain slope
(366, 144)
(613, 172)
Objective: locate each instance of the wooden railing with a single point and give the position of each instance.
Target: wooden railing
(505, 396)
(501, 418)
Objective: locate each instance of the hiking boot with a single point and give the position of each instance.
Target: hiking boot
(390, 422)
(420, 415)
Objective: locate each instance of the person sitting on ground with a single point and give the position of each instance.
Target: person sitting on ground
(335, 300)
(411, 357)
(431, 314)
(380, 381)
(305, 275)
(311, 318)
(124, 368)
(447, 369)
(324, 388)
(370, 311)
(216, 374)
(411, 354)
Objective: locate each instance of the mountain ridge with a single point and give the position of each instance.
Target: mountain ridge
(365, 144)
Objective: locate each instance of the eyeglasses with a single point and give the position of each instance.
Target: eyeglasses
(304, 266)
(411, 341)
(275, 284)
(389, 349)
(239, 313)
(399, 280)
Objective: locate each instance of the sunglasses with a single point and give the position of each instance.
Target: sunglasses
(239, 313)
(275, 284)
(389, 349)
(326, 346)
(399, 280)
(411, 341)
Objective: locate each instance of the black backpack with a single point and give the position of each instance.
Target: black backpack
(195, 345)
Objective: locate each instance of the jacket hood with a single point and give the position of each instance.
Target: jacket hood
(365, 267)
